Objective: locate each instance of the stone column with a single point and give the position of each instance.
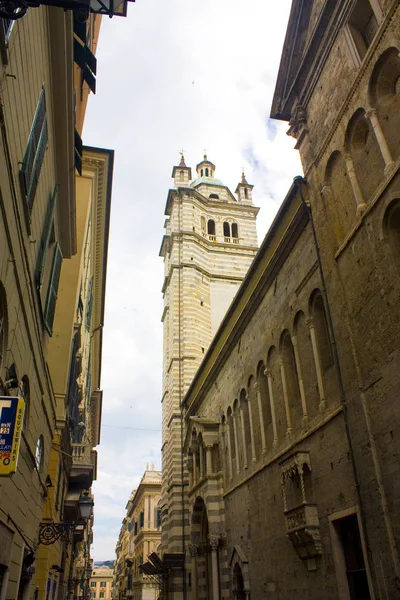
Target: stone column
(243, 436)
(361, 205)
(310, 323)
(201, 474)
(253, 446)
(208, 460)
(285, 397)
(214, 541)
(195, 475)
(268, 373)
(190, 470)
(260, 412)
(236, 442)
(229, 448)
(384, 148)
(300, 378)
(193, 553)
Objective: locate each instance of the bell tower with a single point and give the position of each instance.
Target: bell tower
(210, 240)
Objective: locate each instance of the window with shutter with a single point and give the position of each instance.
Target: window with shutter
(34, 153)
(141, 520)
(50, 306)
(89, 305)
(45, 241)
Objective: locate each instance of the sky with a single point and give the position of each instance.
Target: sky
(174, 75)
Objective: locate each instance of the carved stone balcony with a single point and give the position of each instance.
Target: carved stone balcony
(302, 525)
(84, 465)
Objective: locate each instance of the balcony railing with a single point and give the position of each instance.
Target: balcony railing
(84, 464)
(302, 525)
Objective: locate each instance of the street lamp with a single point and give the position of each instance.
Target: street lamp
(51, 532)
(16, 9)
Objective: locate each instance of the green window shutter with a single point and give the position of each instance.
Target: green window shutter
(158, 518)
(89, 305)
(51, 299)
(44, 242)
(34, 153)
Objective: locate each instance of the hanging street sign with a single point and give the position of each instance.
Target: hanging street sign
(11, 419)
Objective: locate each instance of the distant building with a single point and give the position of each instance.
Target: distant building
(140, 536)
(101, 583)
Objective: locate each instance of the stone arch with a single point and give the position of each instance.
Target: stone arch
(276, 384)
(199, 535)
(237, 435)
(240, 576)
(245, 422)
(211, 227)
(340, 197)
(384, 95)
(305, 351)
(227, 229)
(292, 381)
(252, 399)
(317, 312)
(231, 441)
(262, 381)
(391, 229)
(362, 146)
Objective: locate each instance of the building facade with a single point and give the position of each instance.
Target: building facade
(209, 242)
(55, 199)
(291, 421)
(140, 536)
(101, 583)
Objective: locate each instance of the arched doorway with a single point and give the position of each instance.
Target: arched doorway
(205, 559)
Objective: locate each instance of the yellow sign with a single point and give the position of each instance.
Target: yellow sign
(11, 419)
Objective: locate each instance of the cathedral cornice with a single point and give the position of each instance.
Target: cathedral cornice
(193, 194)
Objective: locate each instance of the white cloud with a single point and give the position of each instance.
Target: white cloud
(173, 74)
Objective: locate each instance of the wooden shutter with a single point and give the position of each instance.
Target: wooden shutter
(51, 299)
(34, 153)
(45, 240)
(89, 305)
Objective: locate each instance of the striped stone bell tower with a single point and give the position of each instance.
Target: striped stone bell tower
(210, 240)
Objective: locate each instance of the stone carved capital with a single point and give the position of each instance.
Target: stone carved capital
(370, 113)
(310, 322)
(267, 373)
(213, 540)
(255, 385)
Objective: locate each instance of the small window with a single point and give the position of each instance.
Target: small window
(101, 594)
(215, 196)
(34, 153)
(93, 584)
(206, 171)
(201, 172)
(103, 584)
(181, 175)
(246, 193)
(363, 26)
(211, 227)
(39, 453)
(235, 232)
(227, 229)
